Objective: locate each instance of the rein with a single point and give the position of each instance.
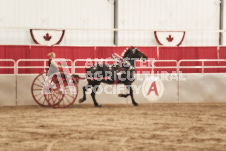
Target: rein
(121, 58)
(120, 69)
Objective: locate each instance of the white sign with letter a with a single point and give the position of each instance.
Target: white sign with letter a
(152, 88)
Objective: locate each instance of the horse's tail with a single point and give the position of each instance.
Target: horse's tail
(77, 77)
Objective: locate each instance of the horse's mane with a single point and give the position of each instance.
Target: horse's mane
(125, 53)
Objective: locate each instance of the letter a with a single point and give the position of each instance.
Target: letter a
(153, 88)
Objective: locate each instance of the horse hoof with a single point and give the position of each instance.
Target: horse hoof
(81, 100)
(135, 104)
(98, 105)
(120, 95)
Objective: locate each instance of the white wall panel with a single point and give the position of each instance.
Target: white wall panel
(132, 14)
(204, 88)
(8, 90)
(224, 22)
(58, 14)
(169, 15)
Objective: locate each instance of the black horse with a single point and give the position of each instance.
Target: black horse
(121, 72)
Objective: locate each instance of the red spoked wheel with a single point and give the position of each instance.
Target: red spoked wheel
(37, 89)
(63, 90)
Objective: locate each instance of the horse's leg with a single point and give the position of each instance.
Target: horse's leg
(95, 88)
(131, 94)
(84, 93)
(123, 95)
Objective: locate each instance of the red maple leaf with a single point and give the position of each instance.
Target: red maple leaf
(47, 37)
(169, 39)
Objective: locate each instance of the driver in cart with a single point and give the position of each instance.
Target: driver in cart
(53, 68)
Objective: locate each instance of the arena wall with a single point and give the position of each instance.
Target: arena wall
(203, 88)
(8, 90)
(193, 88)
(24, 96)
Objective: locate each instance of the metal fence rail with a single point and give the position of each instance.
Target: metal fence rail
(73, 64)
(8, 67)
(89, 60)
(200, 67)
(39, 67)
(153, 66)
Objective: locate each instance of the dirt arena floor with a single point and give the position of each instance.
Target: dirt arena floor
(114, 127)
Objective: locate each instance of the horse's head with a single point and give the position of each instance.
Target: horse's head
(135, 54)
(132, 54)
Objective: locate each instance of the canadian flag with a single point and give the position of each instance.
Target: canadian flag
(169, 38)
(47, 36)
